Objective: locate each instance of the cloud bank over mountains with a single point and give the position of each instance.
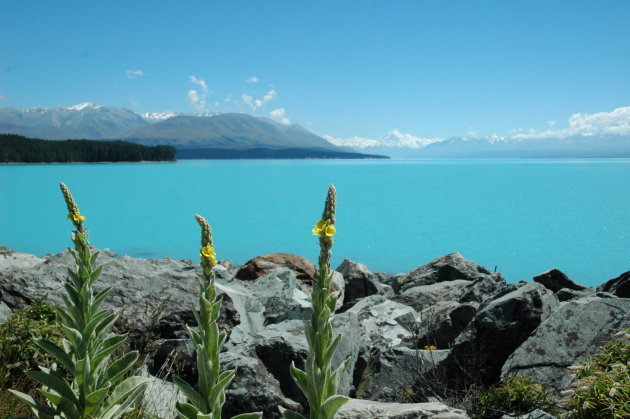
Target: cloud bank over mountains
(614, 123)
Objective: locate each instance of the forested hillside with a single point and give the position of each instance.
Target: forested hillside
(18, 149)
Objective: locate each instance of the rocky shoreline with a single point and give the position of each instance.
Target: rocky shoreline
(450, 314)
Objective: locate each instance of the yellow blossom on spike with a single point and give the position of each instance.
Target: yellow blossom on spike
(77, 217)
(330, 230)
(207, 252)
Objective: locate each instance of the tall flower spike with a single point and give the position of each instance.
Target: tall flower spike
(330, 205)
(73, 211)
(207, 253)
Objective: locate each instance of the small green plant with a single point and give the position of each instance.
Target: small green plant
(19, 352)
(513, 396)
(97, 388)
(18, 340)
(602, 389)
(208, 399)
(318, 382)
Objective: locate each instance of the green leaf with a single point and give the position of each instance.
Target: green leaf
(332, 404)
(46, 411)
(108, 346)
(98, 299)
(127, 388)
(190, 393)
(72, 293)
(330, 351)
(57, 353)
(117, 410)
(287, 414)
(117, 369)
(186, 410)
(105, 325)
(219, 386)
(255, 415)
(94, 399)
(301, 379)
(96, 273)
(55, 382)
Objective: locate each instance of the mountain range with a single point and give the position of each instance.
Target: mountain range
(238, 135)
(207, 135)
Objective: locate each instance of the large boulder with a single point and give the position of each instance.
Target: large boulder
(368, 409)
(571, 334)
(449, 267)
(619, 286)
(555, 280)
(360, 282)
(448, 278)
(154, 297)
(441, 323)
(259, 266)
(390, 376)
(497, 330)
(387, 323)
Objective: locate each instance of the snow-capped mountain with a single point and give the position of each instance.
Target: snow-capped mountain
(82, 121)
(158, 116)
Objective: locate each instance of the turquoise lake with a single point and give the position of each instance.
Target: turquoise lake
(522, 216)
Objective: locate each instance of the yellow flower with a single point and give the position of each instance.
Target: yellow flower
(323, 227)
(430, 347)
(76, 217)
(208, 253)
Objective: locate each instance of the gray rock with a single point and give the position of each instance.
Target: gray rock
(386, 322)
(14, 260)
(390, 376)
(534, 414)
(160, 397)
(280, 344)
(555, 280)
(5, 312)
(441, 323)
(154, 297)
(426, 296)
(497, 330)
(573, 333)
(253, 388)
(281, 297)
(566, 294)
(360, 282)
(368, 409)
(450, 267)
(619, 286)
(483, 289)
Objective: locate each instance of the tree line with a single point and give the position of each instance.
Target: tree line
(19, 149)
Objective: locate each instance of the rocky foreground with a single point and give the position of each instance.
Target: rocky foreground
(482, 328)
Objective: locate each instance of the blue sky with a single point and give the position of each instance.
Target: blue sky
(343, 68)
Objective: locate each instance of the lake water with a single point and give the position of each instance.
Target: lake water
(522, 216)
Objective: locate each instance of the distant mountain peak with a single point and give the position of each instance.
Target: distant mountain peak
(83, 106)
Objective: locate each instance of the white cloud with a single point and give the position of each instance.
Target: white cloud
(252, 79)
(616, 122)
(256, 104)
(356, 142)
(197, 98)
(3, 97)
(134, 74)
(278, 115)
(393, 138)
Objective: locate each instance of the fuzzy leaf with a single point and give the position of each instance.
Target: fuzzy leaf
(43, 410)
(118, 369)
(254, 415)
(117, 410)
(332, 404)
(56, 352)
(190, 393)
(98, 299)
(287, 414)
(127, 388)
(56, 383)
(186, 411)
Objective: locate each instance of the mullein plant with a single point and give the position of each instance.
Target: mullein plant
(318, 381)
(97, 387)
(208, 399)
